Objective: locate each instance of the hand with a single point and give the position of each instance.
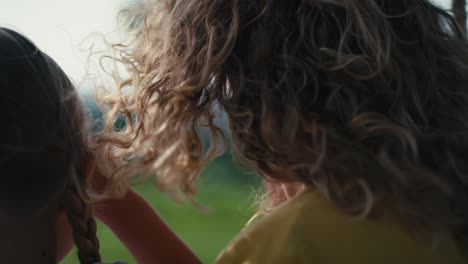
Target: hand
(95, 179)
(137, 224)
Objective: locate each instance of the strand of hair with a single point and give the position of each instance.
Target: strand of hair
(459, 11)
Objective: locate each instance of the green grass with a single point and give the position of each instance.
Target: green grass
(223, 188)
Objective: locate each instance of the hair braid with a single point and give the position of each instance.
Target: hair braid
(459, 11)
(82, 222)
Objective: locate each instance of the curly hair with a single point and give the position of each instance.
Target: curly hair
(364, 101)
(42, 140)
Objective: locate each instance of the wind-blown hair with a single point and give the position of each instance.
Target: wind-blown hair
(43, 143)
(364, 101)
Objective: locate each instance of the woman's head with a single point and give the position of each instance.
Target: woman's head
(42, 142)
(365, 101)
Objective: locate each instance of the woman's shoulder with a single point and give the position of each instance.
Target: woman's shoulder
(272, 239)
(308, 229)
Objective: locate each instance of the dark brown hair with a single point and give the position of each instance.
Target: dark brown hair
(459, 11)
(42, 140)
(364, 101)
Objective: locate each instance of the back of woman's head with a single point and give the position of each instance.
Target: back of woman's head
(364, 101)
(42, 141)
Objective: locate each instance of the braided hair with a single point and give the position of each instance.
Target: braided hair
(75, 200)
(82, 222)
(42, 141)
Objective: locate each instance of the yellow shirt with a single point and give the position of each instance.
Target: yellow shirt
(307, 229)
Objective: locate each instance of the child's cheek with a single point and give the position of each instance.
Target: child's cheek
(64, 236)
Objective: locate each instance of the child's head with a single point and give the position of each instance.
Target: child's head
(42, 142)
(364, 101)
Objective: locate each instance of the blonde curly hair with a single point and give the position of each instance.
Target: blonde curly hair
(364, 101)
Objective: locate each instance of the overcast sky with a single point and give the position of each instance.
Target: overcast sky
(59, 26)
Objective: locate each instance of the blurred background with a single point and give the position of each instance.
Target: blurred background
(66, 30)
